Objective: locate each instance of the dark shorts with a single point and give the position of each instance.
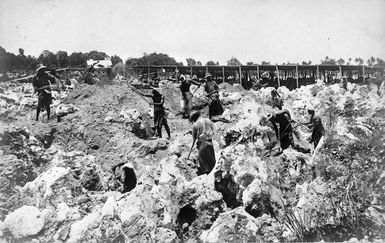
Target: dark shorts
(44, 100)
(215, 108)
(206, 156)
(159, 118)
(286, 138)
(316, 137)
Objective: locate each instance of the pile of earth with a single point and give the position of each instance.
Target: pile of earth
(61, 179)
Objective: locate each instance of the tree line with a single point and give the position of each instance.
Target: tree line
(371, 62)
(21, 61)
(10, 61)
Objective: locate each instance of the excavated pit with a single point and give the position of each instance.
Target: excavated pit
(260, 206)
(228, 188)
(130, 180)
(187, 214)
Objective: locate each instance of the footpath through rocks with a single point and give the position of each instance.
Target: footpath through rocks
(99, 176)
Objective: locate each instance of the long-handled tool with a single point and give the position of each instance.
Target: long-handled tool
(138, 93)
(192, 146)
(141, 96)
(192, 95)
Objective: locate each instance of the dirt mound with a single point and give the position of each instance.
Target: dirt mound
(230, 87)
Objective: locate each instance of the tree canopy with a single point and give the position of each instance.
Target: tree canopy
(233, 62)
(152, 59)
(212, 63)
(328, 61)
(10, 61)
(115, 60)
(340, 61)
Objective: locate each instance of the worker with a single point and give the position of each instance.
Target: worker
(160, 118)
(186, 98)
(344, 83)
(315, 123)
(285, 133)
(202, 132)
(41, 83)
(211, 88)
(123, 179)
(276, 99)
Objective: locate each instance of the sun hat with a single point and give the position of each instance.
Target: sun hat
(208, 75)
(269, 116)
(39, 67)
(194, 116)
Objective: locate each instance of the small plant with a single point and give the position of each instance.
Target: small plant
(301, 224)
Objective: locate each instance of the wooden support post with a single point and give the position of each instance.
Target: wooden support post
(258, 72)
(191, 71)
(148, 73)
(363, 74)
(296, 74)
(340, 71)
(317, 72)
(326, 76)
(240, 75)
(223, 74)
(279, 83)
(207, 69)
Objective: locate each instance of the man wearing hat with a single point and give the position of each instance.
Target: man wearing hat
(211, 88)
(285, 133)
(316, 124)
(186, 98)
(203, 131)
(160, 118)
(276, 98)
(42, 85)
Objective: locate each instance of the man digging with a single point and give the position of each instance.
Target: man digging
(42, 85)
(160, 118)
(285, 133)
(186, 98)
(211, 88)
(203, 131)
(315, 123)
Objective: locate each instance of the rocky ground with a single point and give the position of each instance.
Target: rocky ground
(97, 176)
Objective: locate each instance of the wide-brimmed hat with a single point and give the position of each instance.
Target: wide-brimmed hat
(194, 116)
(269, 116)
(208, 75)
(194, 77)
(182, 77)
(40, 66)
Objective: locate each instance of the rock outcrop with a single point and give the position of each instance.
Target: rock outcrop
(95, 176)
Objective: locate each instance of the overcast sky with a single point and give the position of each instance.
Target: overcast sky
(251, 30)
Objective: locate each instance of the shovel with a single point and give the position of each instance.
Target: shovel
(192, 146)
